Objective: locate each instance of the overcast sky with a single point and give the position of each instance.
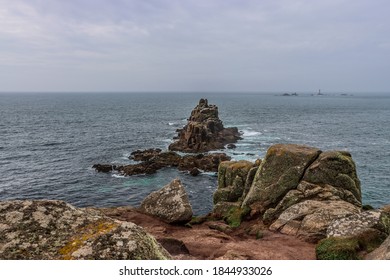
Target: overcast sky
(195, 45)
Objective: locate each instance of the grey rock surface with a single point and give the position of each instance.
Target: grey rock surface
(170, 204)
(55, 230)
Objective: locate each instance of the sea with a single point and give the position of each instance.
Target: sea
(49, 141)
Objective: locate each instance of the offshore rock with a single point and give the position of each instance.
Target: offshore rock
(144, 155)
(105, 168)
(204, 131)
(170, 204)
(55, 230)
(153, 160)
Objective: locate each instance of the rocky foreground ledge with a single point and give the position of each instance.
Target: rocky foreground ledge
(51, 229)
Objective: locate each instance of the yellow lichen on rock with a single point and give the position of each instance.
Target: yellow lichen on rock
(91, 231)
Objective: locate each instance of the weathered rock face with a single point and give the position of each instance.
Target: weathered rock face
(50, 229)
(310, 219)
(298, 190)
(204, 131)
(330, 180)
(360, 223)
(335, 168)
(169, 204)
(232, 176)
(154, 159)
(280, 172)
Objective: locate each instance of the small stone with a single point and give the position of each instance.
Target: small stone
(194, 171)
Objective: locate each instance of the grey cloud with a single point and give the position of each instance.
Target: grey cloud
(196, 45)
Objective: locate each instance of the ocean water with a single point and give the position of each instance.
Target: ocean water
(48, 142)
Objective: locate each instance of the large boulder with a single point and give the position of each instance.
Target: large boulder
(310, 219)
(204, 131)
(280, 171)
(169, 204)
(300, 190)
(55, 230)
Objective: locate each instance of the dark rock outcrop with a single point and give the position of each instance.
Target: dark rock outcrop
(154, 159)
(55, 230)
(144, 155)
(105, 168)
(204, 131)
(169, 204)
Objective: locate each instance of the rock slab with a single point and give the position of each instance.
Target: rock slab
(55, 230)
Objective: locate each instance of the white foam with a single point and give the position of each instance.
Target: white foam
(214, 174)
(118, 176)
(250, 133)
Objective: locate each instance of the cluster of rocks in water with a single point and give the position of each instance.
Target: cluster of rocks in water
(203, 132)
(295, 190)
(151, 160)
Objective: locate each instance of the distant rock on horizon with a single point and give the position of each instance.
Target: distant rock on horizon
(204, 131)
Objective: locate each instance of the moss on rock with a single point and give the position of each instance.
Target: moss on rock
(335, 248)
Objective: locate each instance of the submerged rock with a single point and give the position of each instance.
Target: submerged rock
(170, 204)
(204, 131)
(55, 230)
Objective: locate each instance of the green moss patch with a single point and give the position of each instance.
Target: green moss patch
(235, 216)
(349, 248)
(335, 248)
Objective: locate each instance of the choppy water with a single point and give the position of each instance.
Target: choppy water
(48, 142)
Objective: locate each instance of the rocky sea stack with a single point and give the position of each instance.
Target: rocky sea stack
(204, 131)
